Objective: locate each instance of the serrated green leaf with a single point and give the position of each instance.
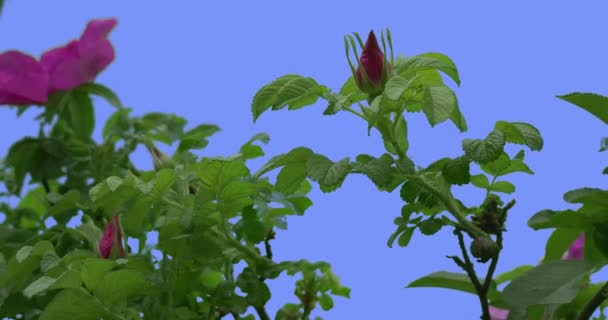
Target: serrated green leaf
(93, 271)
(118, 285)
(328, 174)
(72, 304)
(290, 90)
(68, 279)
(426, 61)
(196, 138)
(290, 177)
(439, 103)
(297, 155)
(521, 133)
(456, 171)
(486, 150)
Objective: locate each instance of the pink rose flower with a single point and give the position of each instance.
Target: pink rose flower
(80, 61)
(22, 79)
(25, 81)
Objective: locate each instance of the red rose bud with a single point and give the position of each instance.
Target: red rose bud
(373, 70)
(160, 159)
(110, 246)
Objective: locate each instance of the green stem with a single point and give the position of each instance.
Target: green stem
(469, 268)
(355, 112)
(594, 303)
(262, 313)
(451, 207)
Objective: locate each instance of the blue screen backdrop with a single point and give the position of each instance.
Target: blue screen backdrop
(205, 60)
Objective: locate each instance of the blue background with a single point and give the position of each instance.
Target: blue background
(206, 59)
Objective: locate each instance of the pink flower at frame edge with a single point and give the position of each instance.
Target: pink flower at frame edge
(110, 245)
(498, 313)
(81, 60)
(22, 79)
(577, 249)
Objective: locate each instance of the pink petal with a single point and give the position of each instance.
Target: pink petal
(107, 240)
(577, 249)
(23, 81)
(81, 60)
(498, 314)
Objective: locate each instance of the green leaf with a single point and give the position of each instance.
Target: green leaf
(521, 133)
(446, 280)
(558, 243)
(439, 103)
(404, 238)
(553, 282)
(512, 274)
(503, 186)
(593, 103)
(118, 124)
(297, 155)
(93, 271)
(290, 177)
(72, 304)
(456, 171)
(328, 174)
(480, 181)
(430, 226)
(101, 91)
(486, 150)
(211, 279)
(326, 302)
(196, 138)
(91, 233)
(546, 219)
(118, 285)
(68, 202)
(77, 111)
(426, 61)
(163, 127)
(396, 86)
(589, 196)
(113, 192)
(235, 196)
(409, 191)
(290, 90)
(68, 279)
(380, 172)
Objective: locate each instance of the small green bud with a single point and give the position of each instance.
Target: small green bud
(484, 249)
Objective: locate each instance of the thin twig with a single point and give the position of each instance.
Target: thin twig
(594, 303)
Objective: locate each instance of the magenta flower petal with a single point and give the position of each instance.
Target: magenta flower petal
(111, 241)
(23, 81)
(373, 63)
(372, 59)
(577, 249)
(498, 314)
(81, 60)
